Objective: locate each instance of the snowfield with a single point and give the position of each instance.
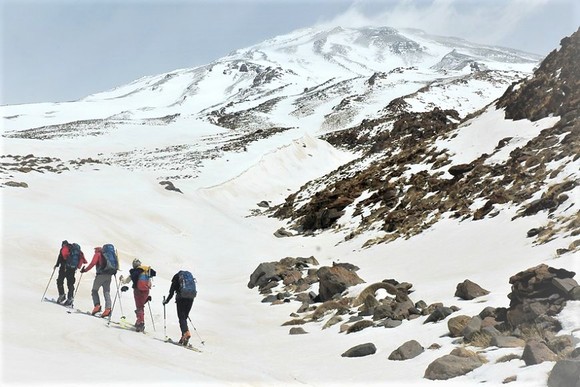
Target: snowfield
(215, 230)
(207, 230)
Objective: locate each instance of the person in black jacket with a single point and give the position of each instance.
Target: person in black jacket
(67, 271)
(184, 302)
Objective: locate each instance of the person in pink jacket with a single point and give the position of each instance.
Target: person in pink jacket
(102, 280)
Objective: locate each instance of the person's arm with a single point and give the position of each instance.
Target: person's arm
(173, 288)
(58, 259)
(124, 280)
(95, 260)
(62, 255)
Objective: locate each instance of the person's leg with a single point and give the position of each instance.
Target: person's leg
(107, 290)
(70, 283)
(95, 291)
(60, 283)
(183, 308)
(182, 315)
(140, 300)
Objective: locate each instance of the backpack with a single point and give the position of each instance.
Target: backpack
(111, 260)
(187, 286)
(144, 281)
(74, 256)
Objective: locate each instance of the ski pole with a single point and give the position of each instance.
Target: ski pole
(77, 288)
(164, 319)
(118, 294)
(113, 306)
(48, 284)
(202, 342)
(151, 313)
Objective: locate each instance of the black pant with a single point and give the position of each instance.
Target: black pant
(183, 309)
(69, 274)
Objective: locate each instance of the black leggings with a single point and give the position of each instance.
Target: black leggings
(183, 309)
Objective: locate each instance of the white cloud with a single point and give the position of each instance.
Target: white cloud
(489, 22)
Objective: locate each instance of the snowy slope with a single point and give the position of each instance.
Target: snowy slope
(214, 230)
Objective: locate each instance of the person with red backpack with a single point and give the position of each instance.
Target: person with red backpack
(70, 258)
(141, 276)
(184, 285)
(105, 270)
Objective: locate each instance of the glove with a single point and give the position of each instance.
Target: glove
(55, 266)
(149, 298)
(83, 270)
(165, 301)
(124, 288)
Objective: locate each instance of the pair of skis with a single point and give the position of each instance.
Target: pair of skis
(123, 324)
(187, 346)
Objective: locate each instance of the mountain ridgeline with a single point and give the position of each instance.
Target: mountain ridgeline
(382, 185)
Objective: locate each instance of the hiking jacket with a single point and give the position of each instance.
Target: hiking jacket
(98, 260)
(134, 276)
(62, 255)
(175, 287)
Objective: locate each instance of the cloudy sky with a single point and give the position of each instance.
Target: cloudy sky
(62, 50)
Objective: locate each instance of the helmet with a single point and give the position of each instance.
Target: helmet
(64, 243)
(136, 263)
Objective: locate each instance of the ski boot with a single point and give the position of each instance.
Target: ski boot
(96, 309)
(60, 299)
(185, 338)
(69, 302)
(106, 312)
(140, 327)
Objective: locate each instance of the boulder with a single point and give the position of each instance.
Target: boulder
(564, 285)
(361, 350)
(440, 313)
(507, 342)
(408, 350)
(536, 352)
(169, 186)
(451, 366)
(468, 290)
(297, 331)
(264, 273)
(335, 280)
(457, 324)
(566, 373)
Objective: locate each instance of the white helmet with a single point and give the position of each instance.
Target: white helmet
(136, 263)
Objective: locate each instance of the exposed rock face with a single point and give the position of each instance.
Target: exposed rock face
(386, 187)
(554, 89)
(169, 186)
(535, 294)
(268, 274)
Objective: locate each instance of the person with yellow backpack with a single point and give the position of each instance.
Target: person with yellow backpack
(141, 276)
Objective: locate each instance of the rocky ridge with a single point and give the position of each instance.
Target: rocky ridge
(540, 175)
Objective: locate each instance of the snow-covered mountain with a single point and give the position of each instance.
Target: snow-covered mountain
(310, 81)
(409, 161)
